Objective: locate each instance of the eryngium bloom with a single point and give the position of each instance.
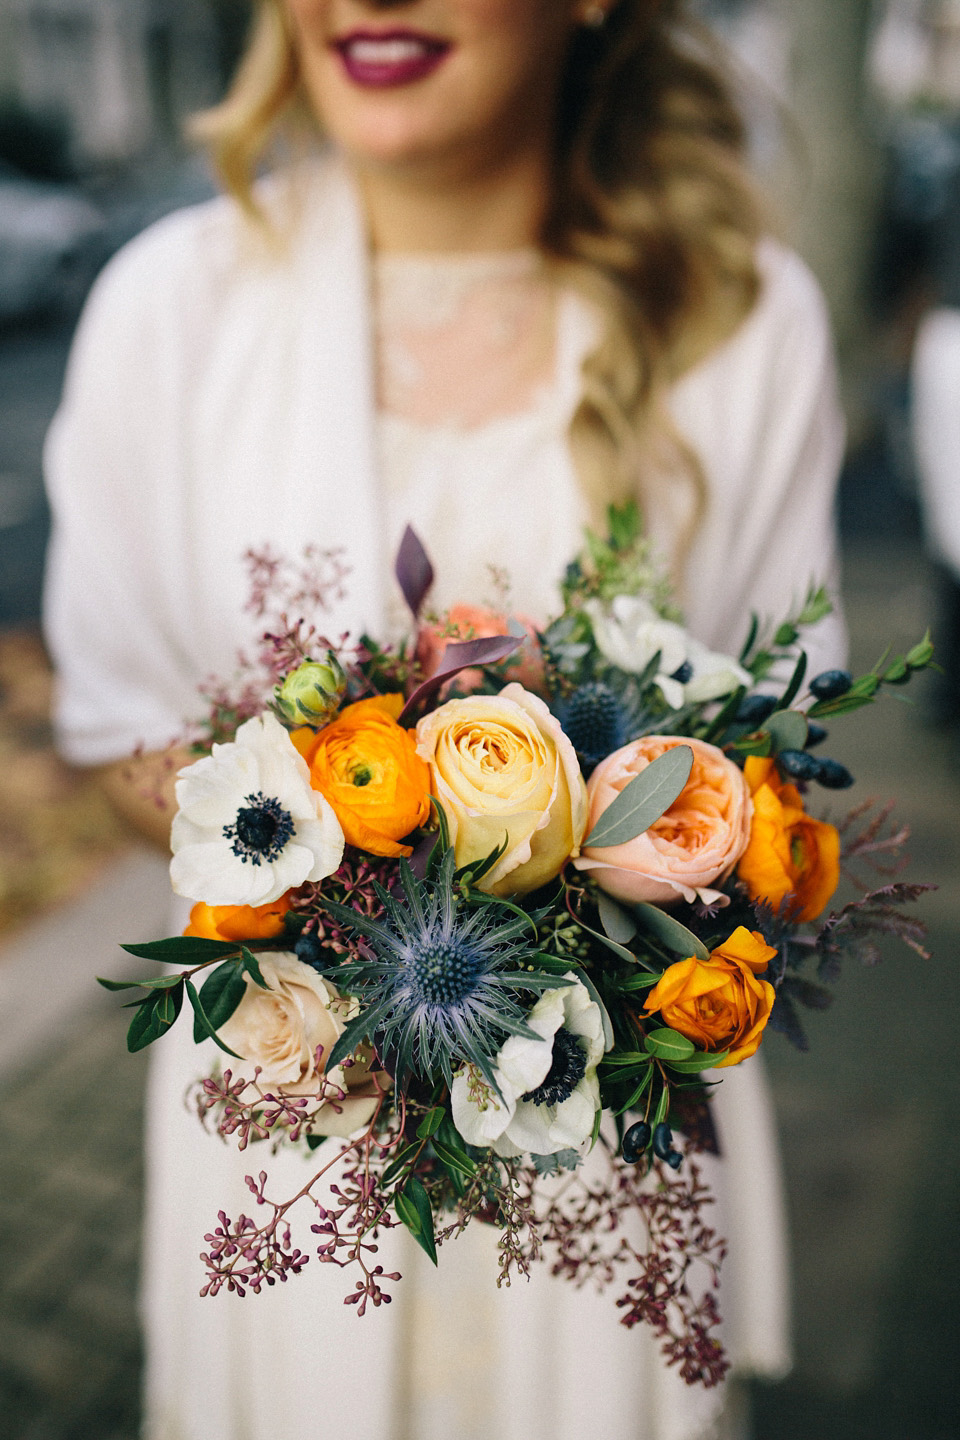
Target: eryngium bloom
(440, 989)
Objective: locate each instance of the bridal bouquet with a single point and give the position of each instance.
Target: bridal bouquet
(483, 917)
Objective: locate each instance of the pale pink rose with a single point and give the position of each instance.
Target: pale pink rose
(474, 622)
(693, 846)
(281, 1028)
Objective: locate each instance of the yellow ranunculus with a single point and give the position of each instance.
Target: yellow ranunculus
(502, 768)
(719, 1003)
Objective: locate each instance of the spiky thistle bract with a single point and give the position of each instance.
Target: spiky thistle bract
(441, 987)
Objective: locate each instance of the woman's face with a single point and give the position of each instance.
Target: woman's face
(428, 83)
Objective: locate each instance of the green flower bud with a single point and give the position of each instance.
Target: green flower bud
(311, 694)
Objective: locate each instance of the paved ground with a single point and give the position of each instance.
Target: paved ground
(867, 1121)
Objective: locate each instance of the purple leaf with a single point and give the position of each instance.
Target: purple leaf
(462, 655)
(413, 571)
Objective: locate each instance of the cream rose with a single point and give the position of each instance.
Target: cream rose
(280, 1029)
(695, 843)
(502, 768)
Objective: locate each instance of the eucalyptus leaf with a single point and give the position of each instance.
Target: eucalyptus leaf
(669, 1045)
(644, 800)
(617, 923)
(613, 945)
(787, 729)
(671, 933)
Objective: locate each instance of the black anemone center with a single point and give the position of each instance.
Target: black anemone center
(444, 972)
(567, 1068)
(261, 829)
(683, 673)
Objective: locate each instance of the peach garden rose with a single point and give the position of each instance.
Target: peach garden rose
(692, 847)
(502, 768)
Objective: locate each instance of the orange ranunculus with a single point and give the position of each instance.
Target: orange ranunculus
(790, 857)
(368, 768)
(719, 1003)
(238, 922)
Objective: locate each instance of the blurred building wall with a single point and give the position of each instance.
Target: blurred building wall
(119, 74)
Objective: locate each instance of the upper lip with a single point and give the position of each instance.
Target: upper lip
(435, 42)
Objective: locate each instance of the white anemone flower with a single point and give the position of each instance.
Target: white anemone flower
(249, 826)
(549, 1092)
(629, 633)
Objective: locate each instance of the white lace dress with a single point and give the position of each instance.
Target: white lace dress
(190, 413)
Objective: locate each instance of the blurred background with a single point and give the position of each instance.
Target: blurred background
(854, 111)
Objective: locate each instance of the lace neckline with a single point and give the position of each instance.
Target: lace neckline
(463, 339)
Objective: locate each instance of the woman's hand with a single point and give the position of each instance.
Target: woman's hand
(141, 791)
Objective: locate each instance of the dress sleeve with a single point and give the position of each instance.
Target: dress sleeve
(763, 415)
(121, 682)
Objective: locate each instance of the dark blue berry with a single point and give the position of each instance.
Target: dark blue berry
(754, 709)
(833, 775)
(635, 1142)
(663, 1146)
(662, 1140)
(798, 765)
(311, 950)
(816, 734)
(830, 684)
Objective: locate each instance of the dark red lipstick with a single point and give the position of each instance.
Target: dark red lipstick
(390, 57)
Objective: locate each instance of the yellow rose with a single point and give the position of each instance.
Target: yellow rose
(719, 1003)
(502, 768)
(282, 1028)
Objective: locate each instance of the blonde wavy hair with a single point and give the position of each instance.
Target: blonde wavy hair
(652, 216)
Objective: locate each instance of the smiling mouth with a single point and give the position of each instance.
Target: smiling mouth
(394, 57)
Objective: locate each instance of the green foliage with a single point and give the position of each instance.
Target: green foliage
(644, 800)
(897, 671)
(154, 1016)
(412, 1205)
(622, 564)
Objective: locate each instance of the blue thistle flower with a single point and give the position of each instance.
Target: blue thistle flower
(439, 988)
(596, 721)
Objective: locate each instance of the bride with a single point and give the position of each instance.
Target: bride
(523, 275)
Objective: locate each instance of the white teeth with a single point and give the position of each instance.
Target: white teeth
(386, 52)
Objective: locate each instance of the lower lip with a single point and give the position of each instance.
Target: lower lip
(381, 73)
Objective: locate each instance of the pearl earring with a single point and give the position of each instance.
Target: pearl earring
(594, 16)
